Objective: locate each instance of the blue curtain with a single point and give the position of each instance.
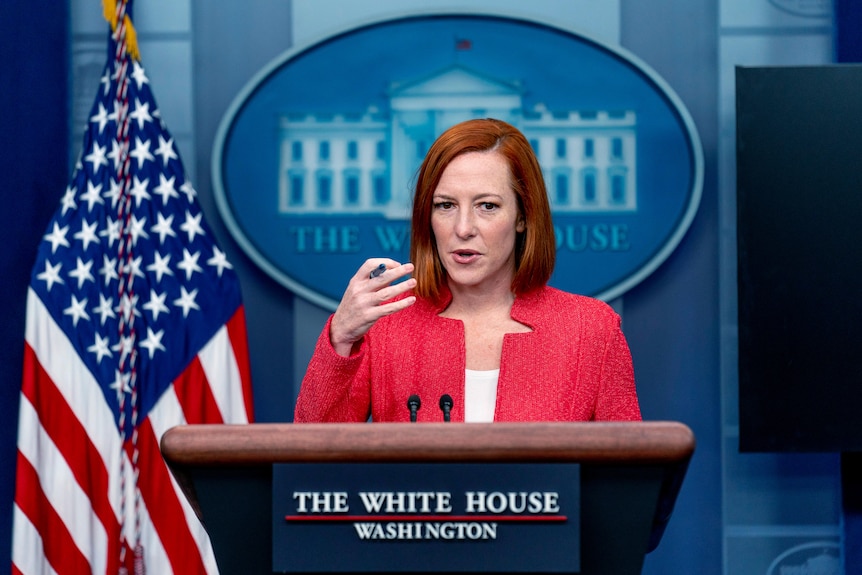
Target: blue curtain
(34, 168)
(847, 23)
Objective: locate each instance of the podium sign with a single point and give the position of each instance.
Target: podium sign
(627, 480)
(433, 517)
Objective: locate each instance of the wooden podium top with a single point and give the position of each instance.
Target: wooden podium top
(588, 442)
(630, 474)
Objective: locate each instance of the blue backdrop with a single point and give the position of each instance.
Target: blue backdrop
(34, 169)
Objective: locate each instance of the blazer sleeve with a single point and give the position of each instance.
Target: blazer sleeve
(335, 388)
(617, 399)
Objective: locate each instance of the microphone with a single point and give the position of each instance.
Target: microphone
(446, 406)
(413, 404)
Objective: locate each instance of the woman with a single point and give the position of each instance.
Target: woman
(477, 321)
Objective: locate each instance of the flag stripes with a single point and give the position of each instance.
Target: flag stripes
(74, 486)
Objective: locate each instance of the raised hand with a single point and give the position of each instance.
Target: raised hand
(368, 298)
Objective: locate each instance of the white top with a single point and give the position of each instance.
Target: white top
(480, 395)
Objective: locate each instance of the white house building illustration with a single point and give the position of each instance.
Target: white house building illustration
(367, 163)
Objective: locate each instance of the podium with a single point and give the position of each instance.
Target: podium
(629, 476)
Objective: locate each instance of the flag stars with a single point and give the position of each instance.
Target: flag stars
(87, 233)
(82, 272)
(156, 305)
(166, 150)
(141, 113)
(115, 153)
(189, 191)
(141, 152)
(97, 157)
(166, 188)
(108, 269)
(219, 261)
(100, 348)
(128, 307)
(131, 268)
(118, 109)
(105, 308)
(113, 193)
(139, 191)
(106, 80)
(153, 341)
(57, 237)
(145, 287)
(138, 74)
(160, 266)
(137, 230)
(68, 201)
(192, 225)
(51, 275)
(164, 227)
(125, 346)
(111, 231)
(91, 196)
(190, 263)
(187, 300)
(77, 310)
(101, 118)
(121, 382)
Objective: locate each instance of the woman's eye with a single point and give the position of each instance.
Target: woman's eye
(443, 205)
(488, 206)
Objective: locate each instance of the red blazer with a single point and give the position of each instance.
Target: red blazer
(574, 365)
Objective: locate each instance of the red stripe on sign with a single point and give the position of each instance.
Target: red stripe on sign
(427, 518)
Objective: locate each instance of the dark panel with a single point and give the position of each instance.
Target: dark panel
(34, 171)
(799, 208)
(847, 25)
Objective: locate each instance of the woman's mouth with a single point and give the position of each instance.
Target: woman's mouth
(465, 256)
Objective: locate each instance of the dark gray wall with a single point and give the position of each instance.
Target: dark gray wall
(672, 318)
(230, 46)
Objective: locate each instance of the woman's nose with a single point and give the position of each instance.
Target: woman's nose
(465, 226)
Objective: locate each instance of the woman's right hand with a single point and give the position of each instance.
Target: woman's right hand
(366, 300)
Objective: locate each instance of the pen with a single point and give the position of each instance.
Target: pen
(378, 270)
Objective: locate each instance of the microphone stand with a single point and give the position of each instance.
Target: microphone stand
(413, 404)
(446, 406)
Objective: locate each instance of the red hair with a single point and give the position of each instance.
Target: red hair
(535, 249)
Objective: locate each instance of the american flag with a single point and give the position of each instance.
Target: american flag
(134, 324)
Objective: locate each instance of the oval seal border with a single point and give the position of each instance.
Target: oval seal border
(804, 8)
(636, 276)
